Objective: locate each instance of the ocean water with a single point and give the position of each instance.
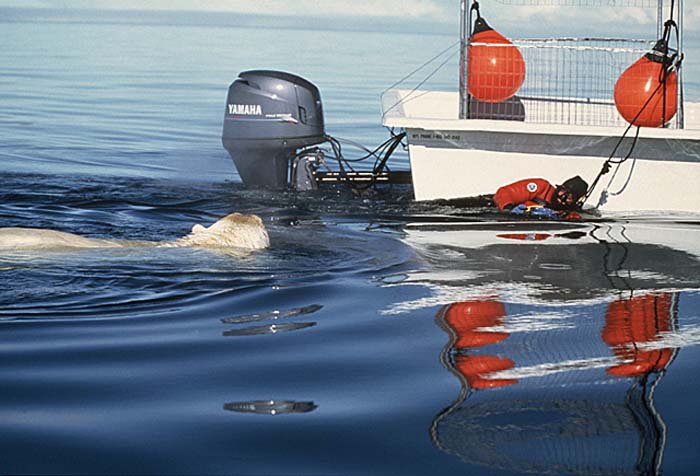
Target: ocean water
(375, 336)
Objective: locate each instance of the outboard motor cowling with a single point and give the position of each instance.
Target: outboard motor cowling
(269, 115)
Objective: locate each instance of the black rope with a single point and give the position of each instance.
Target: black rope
(669, 63)
(421, 66)
(405, 98)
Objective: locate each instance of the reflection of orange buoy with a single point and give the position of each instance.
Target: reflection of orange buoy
(469, 323)
(477, 368)
(631, 322)
(642, 97)
(496, 69)
(469, 318)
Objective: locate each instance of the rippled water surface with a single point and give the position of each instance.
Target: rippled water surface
(374, 336)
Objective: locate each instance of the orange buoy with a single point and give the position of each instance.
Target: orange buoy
(496, 69)
(643, 96)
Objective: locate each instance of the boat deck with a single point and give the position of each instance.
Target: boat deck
(438, 110)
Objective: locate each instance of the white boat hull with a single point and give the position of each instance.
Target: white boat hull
(636, 185)
(452, 158)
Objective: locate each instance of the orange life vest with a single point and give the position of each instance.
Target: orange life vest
(529, 192)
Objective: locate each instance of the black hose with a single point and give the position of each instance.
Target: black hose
(381, 153)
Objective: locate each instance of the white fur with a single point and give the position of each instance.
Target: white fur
(232, 231)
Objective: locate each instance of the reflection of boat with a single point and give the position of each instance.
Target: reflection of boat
(563, 121)
(607, 433)
(564, 263)
(559, 334)
(575, 399)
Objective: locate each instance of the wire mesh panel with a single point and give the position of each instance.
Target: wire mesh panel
(567, 80)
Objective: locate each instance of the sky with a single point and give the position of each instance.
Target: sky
(599, 20)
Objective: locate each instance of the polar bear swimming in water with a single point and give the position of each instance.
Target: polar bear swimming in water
(234, 231)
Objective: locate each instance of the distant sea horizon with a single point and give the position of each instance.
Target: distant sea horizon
(322, 21)
(228, 19)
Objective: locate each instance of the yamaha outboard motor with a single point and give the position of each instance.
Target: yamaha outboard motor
(269, 115)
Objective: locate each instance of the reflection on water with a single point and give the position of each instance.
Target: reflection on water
(271, 407)
(559, 339)
(268, 329)
(274, 316)
(567, 403)
(549, 263)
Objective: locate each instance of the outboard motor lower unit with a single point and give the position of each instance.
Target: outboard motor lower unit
(269, 115)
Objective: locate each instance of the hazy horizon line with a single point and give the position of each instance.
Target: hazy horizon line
(222, 19)
(212, 18)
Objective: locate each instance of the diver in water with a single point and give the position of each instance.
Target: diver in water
(538, 197)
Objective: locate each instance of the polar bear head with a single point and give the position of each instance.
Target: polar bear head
(232, 231)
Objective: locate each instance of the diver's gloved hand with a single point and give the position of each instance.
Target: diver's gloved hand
(536, 211)
(519, 210)
(544, 212)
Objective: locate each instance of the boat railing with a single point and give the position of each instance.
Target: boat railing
(567, 81)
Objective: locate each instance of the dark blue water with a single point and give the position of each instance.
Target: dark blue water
(374, 336)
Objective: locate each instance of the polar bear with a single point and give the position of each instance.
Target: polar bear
(234, 231)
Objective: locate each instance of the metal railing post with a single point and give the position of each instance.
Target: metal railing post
(463, 33)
